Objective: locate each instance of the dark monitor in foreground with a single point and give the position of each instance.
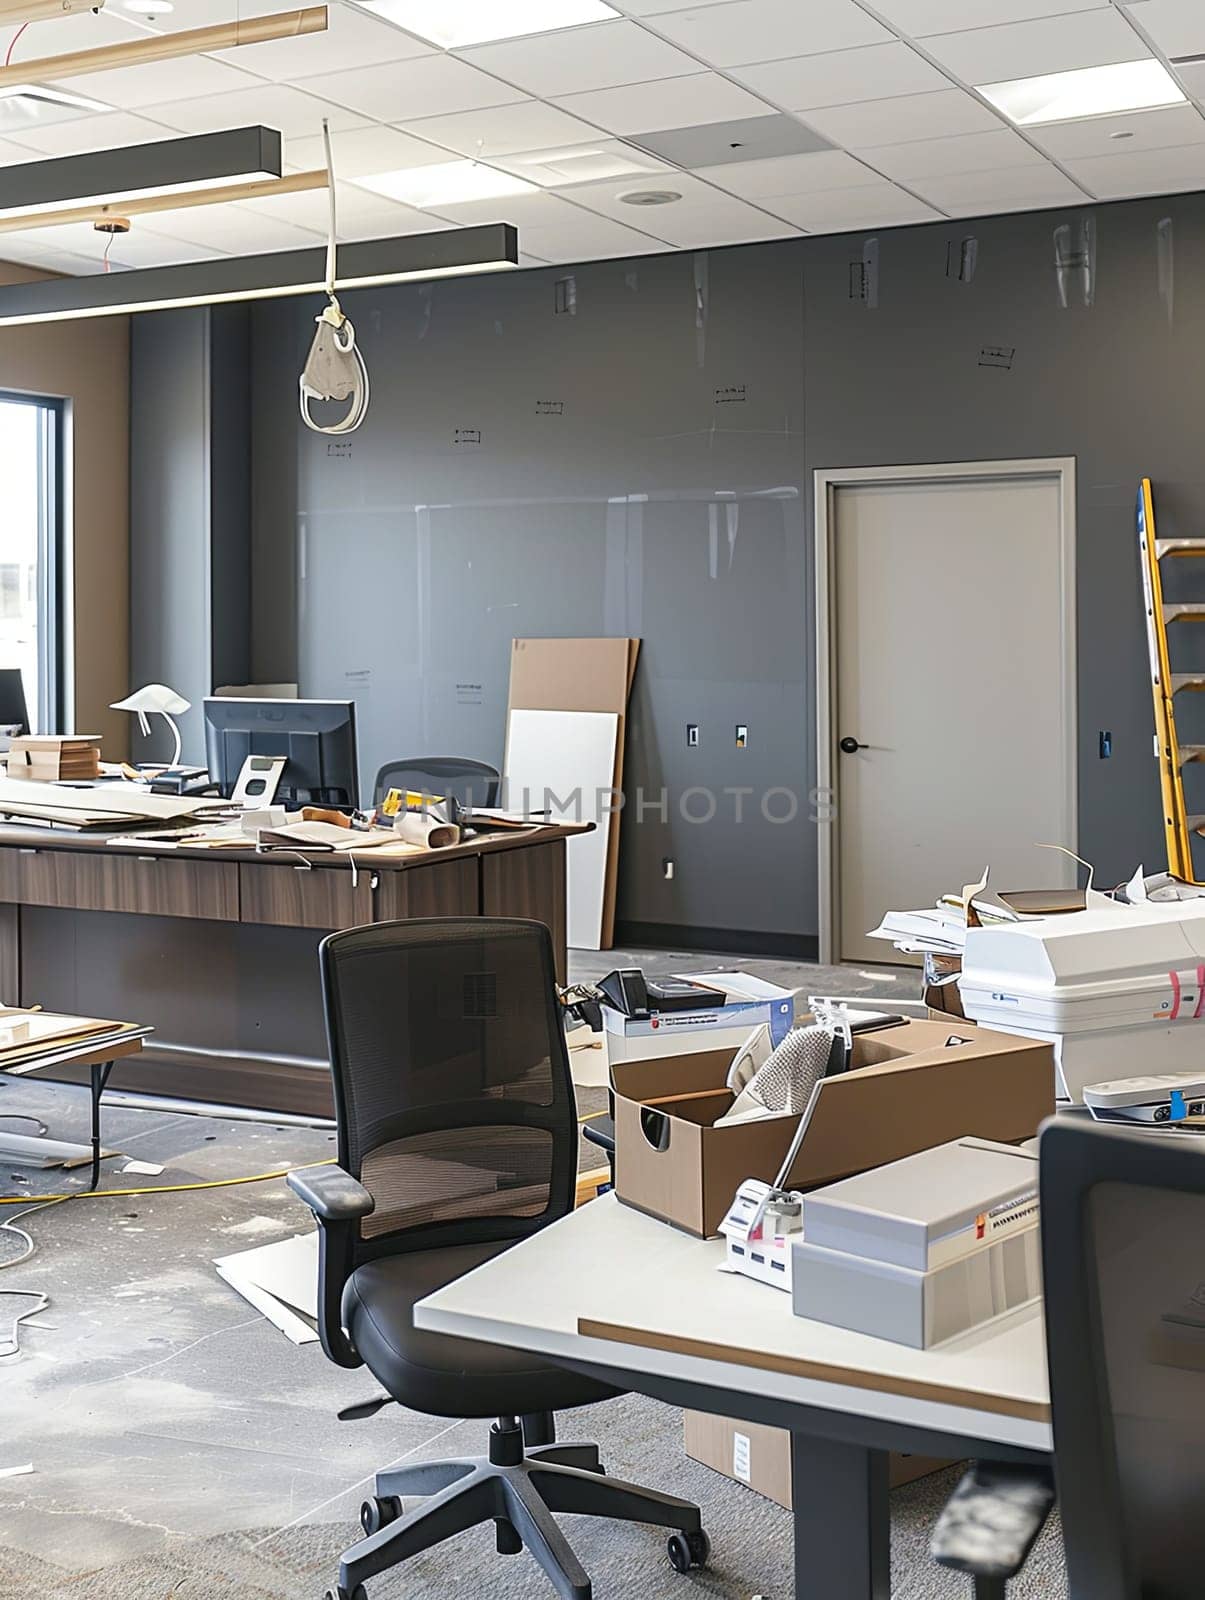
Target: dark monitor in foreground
(317, 736)
(13, 711)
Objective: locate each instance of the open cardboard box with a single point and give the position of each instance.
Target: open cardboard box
(912, 1086)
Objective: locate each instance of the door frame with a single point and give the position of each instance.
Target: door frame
(826, 482)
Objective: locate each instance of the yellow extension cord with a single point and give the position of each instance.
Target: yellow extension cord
(179, 1188)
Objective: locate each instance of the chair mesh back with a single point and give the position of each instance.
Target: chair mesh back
(1150, 1268)
(452, 1082)
(471, 783)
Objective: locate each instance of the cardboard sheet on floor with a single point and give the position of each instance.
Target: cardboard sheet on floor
(564, 761)
(281, 1281)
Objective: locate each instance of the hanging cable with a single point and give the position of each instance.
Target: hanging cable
(334, 368)
(12, 44)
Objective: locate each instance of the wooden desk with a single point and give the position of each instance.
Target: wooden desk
(622, 1297)
(217, 949)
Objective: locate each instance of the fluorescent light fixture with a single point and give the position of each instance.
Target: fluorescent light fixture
(454, 23)
(453, 252)
(582, 163)
(33, 98)
(165, 166)
(444, 183)
(1088, 92)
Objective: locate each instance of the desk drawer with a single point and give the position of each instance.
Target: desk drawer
(438, 888)
(288, 896)
(154, 885)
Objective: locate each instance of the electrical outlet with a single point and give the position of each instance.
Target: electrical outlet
(692, 735)
(667, 866)
(742, 735)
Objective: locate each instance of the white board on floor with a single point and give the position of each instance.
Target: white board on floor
(563, 762)
(279, 1280)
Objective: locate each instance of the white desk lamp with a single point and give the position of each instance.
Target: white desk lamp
(158, 698)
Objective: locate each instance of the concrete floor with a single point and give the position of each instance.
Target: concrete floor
(154, 1405)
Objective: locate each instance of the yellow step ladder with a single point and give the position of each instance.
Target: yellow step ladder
(1179, 824)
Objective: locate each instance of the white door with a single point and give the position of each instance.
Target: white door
(951, 655)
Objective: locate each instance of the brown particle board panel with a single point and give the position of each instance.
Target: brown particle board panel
(443, 887)
(10, 874)
(291, 896)
(152, 885)
(529, 882)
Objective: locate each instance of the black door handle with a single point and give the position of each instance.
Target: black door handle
(851, 746)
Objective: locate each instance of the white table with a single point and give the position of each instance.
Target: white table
(620, 1296)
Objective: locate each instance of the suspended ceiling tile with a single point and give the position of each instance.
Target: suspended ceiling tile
(357, 151)
(841, 76)
(405, 90)
(352, 39)
(809, 174)
(141, 247)
(607, 198)
(1008, 189)
(915, 116)
(1115, 136)
(722, 220)
(589, 238)
(869, 206)
(1097, 38)
(1141, 172)
(1176, 26)
(921, 17)
(360, 215)
(595, 161)
(111, 131)
(575, 60)
(540, 210)
(504, 130)
(676, 103)
(276, 105)
(185, 78)
(233, 230)
(970, 152)
(767, 30)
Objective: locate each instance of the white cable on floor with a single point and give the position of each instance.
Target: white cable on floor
(12, 1345)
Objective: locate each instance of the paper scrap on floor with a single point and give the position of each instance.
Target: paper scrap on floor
(281, 1281)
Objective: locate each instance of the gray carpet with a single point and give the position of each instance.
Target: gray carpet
(640, 1439)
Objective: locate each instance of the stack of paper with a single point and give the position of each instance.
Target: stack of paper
(46, 758)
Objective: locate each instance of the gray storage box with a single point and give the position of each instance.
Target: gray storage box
(916, 1308)
(929, 1209)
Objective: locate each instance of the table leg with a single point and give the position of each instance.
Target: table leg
(100, 1077)
(842, 1520)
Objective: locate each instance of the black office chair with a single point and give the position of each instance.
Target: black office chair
(1122, 1219)
(471, 783)
(457, 1137)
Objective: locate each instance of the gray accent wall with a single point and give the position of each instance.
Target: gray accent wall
(627, 447)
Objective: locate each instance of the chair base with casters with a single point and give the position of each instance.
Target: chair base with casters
(518, 1488)
(991, 1523)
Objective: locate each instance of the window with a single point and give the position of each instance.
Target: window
(30, 553)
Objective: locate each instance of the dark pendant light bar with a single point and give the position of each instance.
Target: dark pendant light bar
(165, 166)
(453, 252)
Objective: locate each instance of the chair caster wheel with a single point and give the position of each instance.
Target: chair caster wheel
(687, 1550)
(339, 1593)
(377, 1512)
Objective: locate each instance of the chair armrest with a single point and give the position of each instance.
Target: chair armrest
(338, 1201)
(331, 1194)
(992, 1519)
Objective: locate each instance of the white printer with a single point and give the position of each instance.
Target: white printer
(1118, 991)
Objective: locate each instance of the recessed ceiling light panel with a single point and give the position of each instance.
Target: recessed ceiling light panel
(583, 163)
(444, 183)
(1088, 92)
(455, 23)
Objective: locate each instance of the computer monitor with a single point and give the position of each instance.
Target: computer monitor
(13, 711)
(317, 736)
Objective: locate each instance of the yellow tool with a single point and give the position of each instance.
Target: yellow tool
(407, 800)
(1179, 825)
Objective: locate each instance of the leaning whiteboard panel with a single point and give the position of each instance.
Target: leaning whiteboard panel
(563, 762)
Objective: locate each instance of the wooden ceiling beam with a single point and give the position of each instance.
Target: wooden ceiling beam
(260, 189)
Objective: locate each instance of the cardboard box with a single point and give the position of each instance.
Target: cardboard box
(917, 1085)
(753, 1454)
(751, 1001)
